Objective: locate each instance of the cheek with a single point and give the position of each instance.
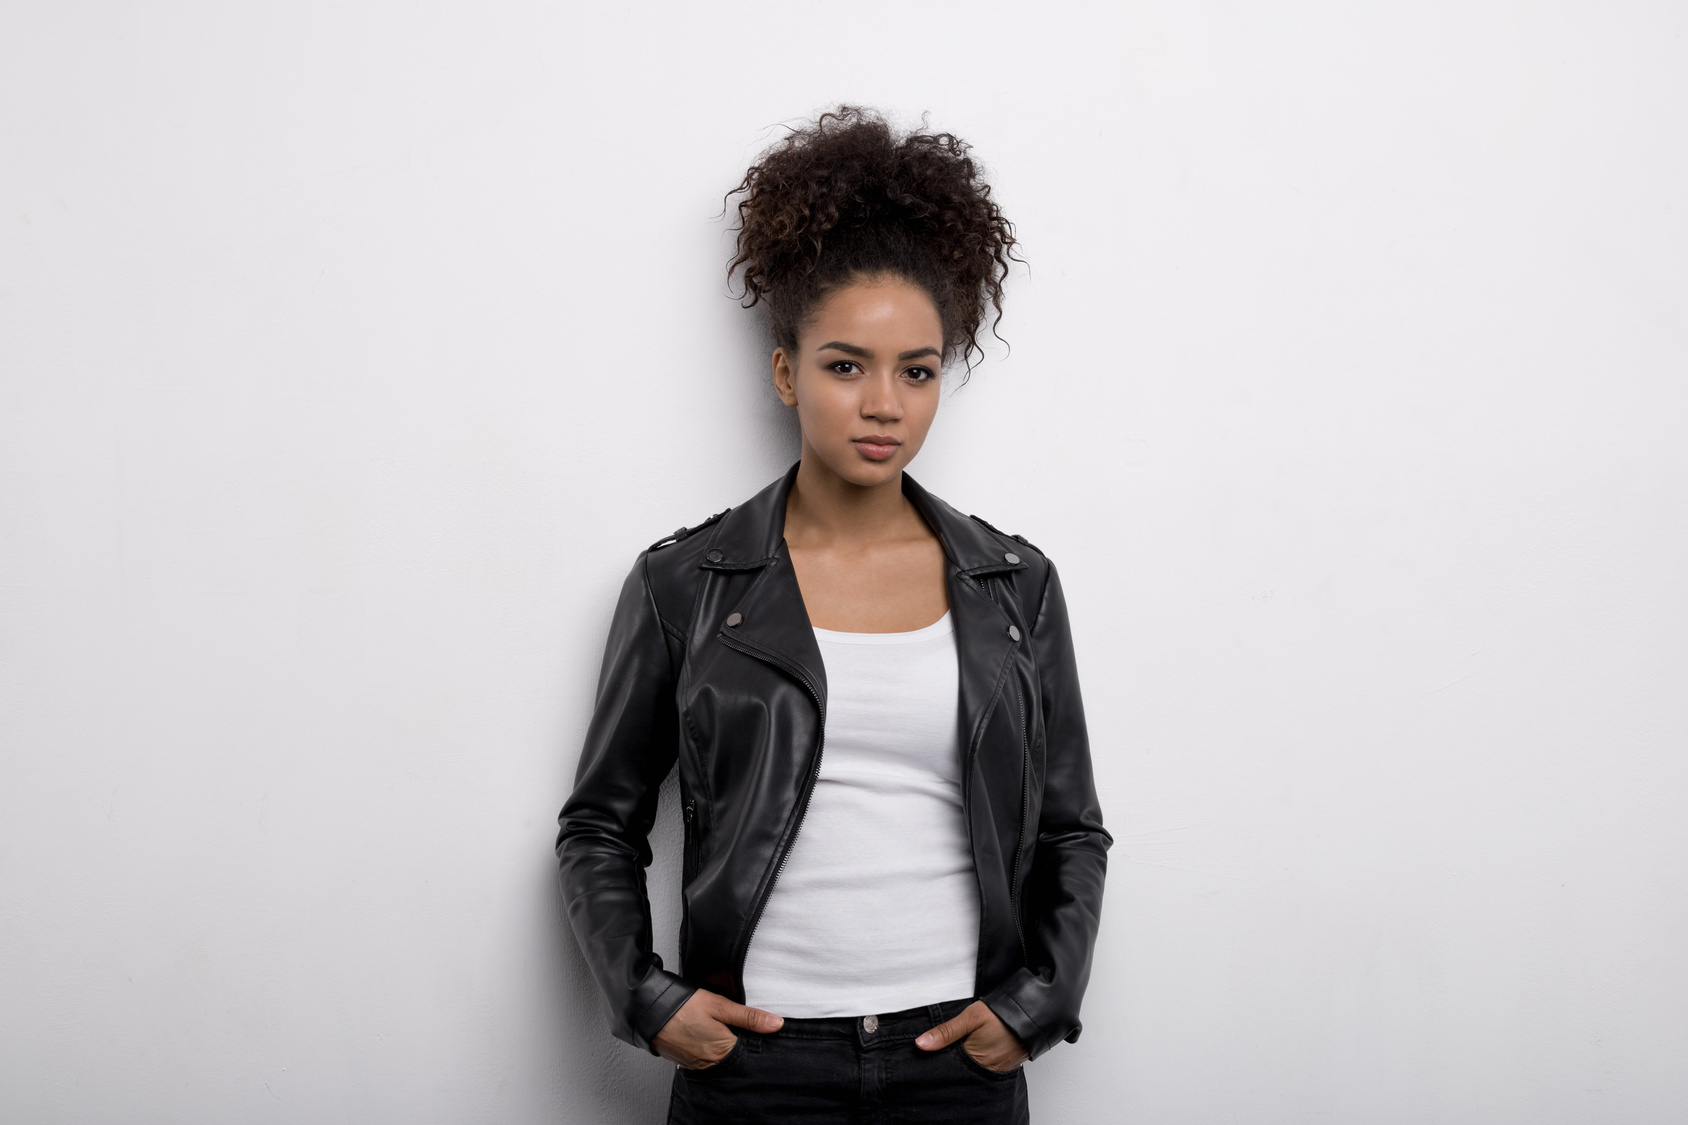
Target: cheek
(924, 410)
(823, 410)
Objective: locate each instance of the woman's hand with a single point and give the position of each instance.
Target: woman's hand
(986, 1037)
(700, 1034)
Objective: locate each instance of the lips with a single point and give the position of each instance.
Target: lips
(877, 447)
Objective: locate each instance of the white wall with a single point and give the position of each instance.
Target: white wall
(349, 353)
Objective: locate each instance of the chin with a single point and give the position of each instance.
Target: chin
(867, 474)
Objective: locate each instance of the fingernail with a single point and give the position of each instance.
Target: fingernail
(923, 1041)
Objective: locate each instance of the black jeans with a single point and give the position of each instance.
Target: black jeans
(838, 1071)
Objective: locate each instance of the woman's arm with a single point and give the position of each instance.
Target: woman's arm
(603, 843)
(1063, 889)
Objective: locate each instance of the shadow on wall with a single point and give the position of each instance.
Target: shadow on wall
(600, 1079)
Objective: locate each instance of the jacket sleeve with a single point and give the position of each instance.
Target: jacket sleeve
(1063, 888)
(603, 843)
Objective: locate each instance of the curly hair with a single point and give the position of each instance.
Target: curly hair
(844, 198)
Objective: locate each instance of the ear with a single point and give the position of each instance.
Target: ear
(785, 377)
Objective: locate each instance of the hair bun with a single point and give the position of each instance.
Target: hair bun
(846, 197)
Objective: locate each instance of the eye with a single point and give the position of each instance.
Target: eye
(920, 374)
(843, 367)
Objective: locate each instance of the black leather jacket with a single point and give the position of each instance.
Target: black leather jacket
(711, 659)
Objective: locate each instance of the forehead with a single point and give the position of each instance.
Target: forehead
(880, 307)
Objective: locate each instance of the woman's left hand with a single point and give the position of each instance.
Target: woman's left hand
(986, 1037)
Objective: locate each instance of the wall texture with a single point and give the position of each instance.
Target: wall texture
(350, 352)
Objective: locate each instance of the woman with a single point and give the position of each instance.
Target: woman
(893, 851)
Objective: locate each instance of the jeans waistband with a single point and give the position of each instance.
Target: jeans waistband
(874, 1030)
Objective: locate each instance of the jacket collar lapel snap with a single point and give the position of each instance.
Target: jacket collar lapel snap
(973, 546)
(772, 623)
(752, 535)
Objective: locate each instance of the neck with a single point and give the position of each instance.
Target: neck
(825, 508)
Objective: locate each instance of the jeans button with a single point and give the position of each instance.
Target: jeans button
(870, 1024)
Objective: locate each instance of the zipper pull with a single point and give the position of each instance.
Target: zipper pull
(690, 811)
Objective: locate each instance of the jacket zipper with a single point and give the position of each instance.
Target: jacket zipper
(1020, 840)
(808, 789)
(1025, 800)
(688, 865)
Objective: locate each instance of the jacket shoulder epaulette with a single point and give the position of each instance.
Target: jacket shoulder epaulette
(1020, 539)
(670, 540)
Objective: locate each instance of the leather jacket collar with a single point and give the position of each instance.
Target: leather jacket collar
(775, 624)
(752, 535)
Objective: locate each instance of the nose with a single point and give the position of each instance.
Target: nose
(880, 400)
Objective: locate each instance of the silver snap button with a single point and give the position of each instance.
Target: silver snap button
(734, 618)
(870, 1024)
(1013, 630)
(715, 556)
(1011, 558)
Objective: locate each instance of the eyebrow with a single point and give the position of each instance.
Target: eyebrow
(864, 353)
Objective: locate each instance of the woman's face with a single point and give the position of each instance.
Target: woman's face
(864, 378)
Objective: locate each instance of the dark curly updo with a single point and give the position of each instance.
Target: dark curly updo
(847, 198)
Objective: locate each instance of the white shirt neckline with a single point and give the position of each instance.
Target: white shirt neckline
(941, 627)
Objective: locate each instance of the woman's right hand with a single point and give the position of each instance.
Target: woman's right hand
(700, 1034)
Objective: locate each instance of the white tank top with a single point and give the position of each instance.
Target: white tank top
(877, 908)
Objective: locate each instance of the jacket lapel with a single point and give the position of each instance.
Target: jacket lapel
(774, 626)
(773, 623)
(983, 648)
(983, 641)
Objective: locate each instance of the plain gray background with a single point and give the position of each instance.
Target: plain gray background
(350, 352)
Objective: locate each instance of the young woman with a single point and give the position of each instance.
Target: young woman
(893, 851)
